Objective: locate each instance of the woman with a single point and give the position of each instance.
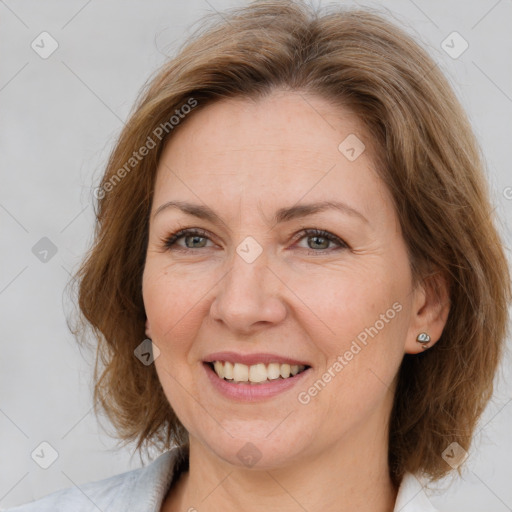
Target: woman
(297, 286)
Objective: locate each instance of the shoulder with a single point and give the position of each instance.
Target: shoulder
(139, 489)
(90, 496)
(412, 496)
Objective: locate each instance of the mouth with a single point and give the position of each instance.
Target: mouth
(255, 374)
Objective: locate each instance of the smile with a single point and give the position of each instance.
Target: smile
(255, 373)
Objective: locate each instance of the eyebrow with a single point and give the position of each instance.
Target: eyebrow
(281, 215)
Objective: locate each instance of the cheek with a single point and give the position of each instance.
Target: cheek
(342, 302)
(172, 302)
(171, 305)
(357, 321)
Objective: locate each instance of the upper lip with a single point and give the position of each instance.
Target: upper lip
(250, 359)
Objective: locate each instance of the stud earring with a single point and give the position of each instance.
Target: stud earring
(424, 339)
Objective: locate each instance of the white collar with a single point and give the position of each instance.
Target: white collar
(412, 497)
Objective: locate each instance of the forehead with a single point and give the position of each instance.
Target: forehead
(281, 148)
(285, 124)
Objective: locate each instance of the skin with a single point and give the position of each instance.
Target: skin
(245, 159)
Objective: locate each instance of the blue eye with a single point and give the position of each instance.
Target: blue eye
(194, 234)
(196, 239)
(319, 234)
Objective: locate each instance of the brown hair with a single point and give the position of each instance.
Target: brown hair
(426, 155)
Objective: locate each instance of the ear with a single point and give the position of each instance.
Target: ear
(148, 330)
(431, 305)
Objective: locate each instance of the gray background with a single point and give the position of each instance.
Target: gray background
(59, 119)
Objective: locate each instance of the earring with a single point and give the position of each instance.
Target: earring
(424, 339)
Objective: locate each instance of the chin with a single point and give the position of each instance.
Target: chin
(261, 448)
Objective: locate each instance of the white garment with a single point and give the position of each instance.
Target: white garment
(144, 490)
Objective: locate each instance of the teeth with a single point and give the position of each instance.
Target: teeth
(240, 372)
(219, 368)
(228, 370)
(273, 371)
(256, 373)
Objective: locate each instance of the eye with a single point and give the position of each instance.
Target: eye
(195, 238)
(321, 240)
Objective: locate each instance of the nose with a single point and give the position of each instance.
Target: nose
(249, 297)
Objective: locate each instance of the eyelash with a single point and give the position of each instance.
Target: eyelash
(169, 243)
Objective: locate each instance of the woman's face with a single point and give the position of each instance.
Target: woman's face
(252, 282)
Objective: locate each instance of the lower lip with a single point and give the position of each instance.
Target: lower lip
(252, 392)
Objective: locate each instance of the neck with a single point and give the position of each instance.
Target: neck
(351, 474)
